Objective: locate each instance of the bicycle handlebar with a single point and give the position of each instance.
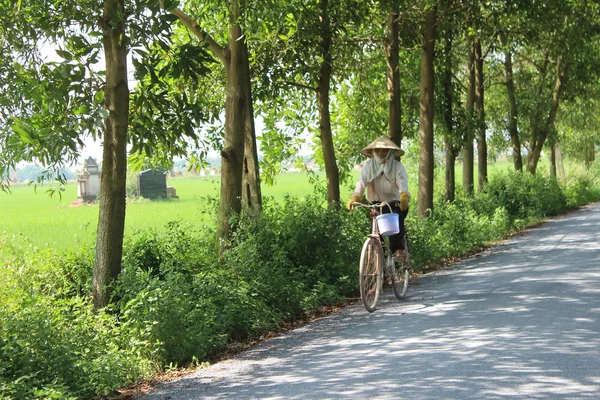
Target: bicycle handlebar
(371, 206)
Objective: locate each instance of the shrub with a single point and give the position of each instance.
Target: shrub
(525, 196)
(299, 255)
(51, 342)
(581, 191)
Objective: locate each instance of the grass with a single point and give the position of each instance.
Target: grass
(54, 222)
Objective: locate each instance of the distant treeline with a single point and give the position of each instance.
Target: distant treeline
(31, 172)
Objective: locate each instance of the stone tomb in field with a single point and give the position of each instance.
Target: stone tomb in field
(152, 184)
(88, 181)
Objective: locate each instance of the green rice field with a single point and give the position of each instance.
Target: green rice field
(44, 221)
(54, 222)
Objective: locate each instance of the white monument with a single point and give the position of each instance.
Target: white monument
(88, 181)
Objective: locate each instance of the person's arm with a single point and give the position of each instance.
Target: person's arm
(402, 179)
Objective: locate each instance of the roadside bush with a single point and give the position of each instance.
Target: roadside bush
(182, 316)
(580, 191)
(299, 255)
(582, 187)
(455, 229)
(176, 296)
(525, 196)
(52, 345)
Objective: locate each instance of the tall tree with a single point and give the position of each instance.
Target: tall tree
(323, 88)
(239, 155)
(480, 116)
(78, 100)
(468, 151)
(426, 103)
(540, 129)
(393, 78)
(306, 51)
(448, 28)
(111, 222)
(554, 54)
(512, 111)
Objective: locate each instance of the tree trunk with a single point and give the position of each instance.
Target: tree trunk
(331, 169)
(449, 121)
(559, 164)
(553, 161)
(232, 154)
(111, 220)
(512, 112)
(541, 133)
(589, 153)
(251, 192)
(480, 112)
(239, 160)
(468, 153)
(426, 106)
(393, 79)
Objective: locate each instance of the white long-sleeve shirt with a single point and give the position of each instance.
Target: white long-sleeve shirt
(381, 188)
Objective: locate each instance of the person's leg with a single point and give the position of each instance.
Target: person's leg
(397, 241)
(401, 251)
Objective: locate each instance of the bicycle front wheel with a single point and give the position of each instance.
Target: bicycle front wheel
(371, 268)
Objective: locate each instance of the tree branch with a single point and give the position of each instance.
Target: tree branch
(457, 80)
(197, 30)
(299, 85)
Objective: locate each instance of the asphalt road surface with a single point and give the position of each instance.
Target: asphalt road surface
(520, 320)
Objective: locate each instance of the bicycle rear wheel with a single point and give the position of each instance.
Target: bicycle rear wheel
(371, 268)
(400, 272)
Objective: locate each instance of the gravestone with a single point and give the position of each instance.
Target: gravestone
(88, 181)
(152, 184)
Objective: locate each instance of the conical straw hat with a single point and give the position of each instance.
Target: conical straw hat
(382, 142)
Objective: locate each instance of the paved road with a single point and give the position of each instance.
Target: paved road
(518, 321)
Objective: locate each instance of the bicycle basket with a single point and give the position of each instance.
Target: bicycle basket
(388, 224)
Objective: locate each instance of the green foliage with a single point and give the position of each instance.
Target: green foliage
(525, 196)
(298, 255)
(455, 229)
(511, 202)
(178, 296)
(582, 187)
(52, 344)
(166, 113)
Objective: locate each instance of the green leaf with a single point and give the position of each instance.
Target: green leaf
(81, 110)
(23, 133)
(64, 54)
(99, 97)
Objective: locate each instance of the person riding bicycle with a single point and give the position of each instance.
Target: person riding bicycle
(385, 179)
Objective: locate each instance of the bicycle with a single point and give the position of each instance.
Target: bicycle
(372, 258)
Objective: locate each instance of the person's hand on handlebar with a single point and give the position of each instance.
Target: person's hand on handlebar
(353, 199)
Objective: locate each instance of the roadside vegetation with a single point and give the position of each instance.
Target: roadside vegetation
(176, 303)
